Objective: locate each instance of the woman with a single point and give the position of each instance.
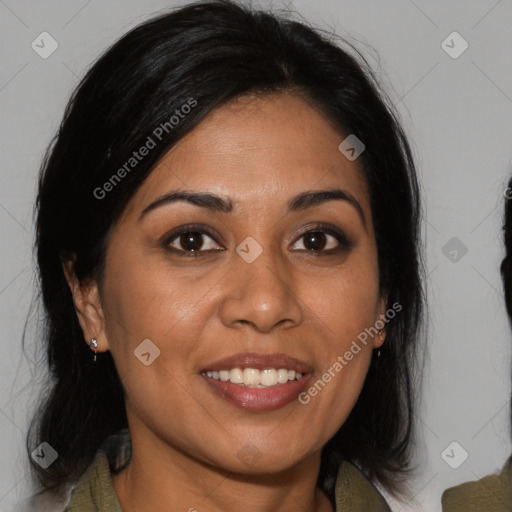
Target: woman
(227, 239)
(492, 493)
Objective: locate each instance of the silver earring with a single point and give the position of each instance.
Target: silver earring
(381, 334)
(94, 343)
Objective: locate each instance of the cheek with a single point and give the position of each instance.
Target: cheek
(345, 307)
(346, 302)
(153, 305)
(149, 302)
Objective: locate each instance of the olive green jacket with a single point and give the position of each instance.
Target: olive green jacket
(94, 492)
(490, 494)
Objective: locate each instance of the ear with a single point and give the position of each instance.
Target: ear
(379, 339)
(88, 306)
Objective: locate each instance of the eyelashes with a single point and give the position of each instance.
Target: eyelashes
(316, 240)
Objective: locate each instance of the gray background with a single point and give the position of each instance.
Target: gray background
(458, 114)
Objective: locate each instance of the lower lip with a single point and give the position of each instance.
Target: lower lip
(258, 399)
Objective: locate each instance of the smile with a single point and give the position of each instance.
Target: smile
(254, 378)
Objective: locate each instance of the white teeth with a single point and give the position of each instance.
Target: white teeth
(236, 376)
(268, 377)
(251, 377)
(282, 376)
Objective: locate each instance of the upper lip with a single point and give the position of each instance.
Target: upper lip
(259, 362)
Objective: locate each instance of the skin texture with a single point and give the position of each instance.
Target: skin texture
(259, 152)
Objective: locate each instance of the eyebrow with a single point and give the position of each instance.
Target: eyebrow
(216, 203)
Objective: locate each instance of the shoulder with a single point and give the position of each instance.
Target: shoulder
(44, 502)
(93, 491)
(355, 493)
(88, 494)
(494, 492)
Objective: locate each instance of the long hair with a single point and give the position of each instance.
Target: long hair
(213, 52)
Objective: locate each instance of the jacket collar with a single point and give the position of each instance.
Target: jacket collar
(355, 493)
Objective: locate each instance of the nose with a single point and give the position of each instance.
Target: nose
(261, 294)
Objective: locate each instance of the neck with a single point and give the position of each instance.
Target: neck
(160, 478)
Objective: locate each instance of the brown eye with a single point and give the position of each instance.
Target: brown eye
(314, 240)
(191, 241)
(327, 239)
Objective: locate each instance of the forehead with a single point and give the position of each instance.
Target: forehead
(258, 150)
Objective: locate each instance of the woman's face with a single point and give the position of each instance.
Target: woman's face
(246, 285)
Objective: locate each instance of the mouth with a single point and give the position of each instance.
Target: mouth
(257, 382)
